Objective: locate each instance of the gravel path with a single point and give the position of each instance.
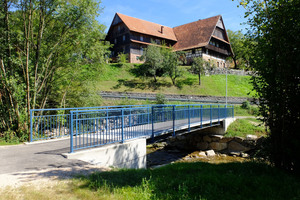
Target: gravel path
(37, 177)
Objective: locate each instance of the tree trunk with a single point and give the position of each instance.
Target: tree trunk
(199, 76)
(155, 80)
(27, 52)
(235, 64)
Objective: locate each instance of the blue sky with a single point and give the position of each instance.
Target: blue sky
(175, 12)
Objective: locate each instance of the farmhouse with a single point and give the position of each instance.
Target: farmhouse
(206, 38)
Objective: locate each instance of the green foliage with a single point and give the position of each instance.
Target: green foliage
(160, 99)
(171, 64)
(122, 58)
(43, 46)
(199, 66)
(248, 111)
(153, 59)
(160, 60)
(246, 105)
(275, 26)
(244, 127)
(241, 45)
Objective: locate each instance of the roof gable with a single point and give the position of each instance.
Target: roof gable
(195, 34)
(148, 28)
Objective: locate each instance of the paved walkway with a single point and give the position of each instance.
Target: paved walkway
(36, 156)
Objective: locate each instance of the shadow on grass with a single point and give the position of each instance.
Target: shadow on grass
(246, 180)
(140, 84)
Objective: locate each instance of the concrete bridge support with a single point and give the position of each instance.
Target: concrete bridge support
(222, 128)
(130, 154)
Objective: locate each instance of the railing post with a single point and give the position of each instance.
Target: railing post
(130, 116)
(189, 118)
(122, 125)
(232, 111)
(148, 110)
(173, 120)
(152, 110)
(210, 115)
(71, 132)
(201, 116)
(31, 126)
(218, 114)
(106, 121)
(225, 111)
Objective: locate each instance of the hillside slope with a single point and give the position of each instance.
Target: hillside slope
(120, 78)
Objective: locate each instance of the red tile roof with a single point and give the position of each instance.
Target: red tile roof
(149, 28)
(188, 36)
(195, 34)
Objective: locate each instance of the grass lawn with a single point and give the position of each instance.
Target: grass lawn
(247, 180)
(123, 79)
(244, 127)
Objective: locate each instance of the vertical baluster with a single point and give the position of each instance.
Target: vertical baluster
(189, 118)
(71, 135)
(210, 115)
(173, 120)
(201, 116)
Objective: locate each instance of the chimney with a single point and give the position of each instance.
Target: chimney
(162, 30)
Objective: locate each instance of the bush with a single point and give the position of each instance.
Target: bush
(122, 58)
(161, 99)
(246, 105)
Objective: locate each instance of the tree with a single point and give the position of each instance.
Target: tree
(42, 40)
(241, 45)
(198, 67)
(171, 64)
(154, 59)
(275, 26)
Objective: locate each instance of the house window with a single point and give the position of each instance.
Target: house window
(124, 38)
(193, 51)
(119, 28)
(141, 38)
(115, 40)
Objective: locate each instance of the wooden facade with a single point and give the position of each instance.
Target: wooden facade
(205, 38)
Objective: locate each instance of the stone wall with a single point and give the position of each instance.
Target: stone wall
(229, 71)
(218, 143)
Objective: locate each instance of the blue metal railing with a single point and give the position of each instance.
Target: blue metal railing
(55, 122)
(90, 127)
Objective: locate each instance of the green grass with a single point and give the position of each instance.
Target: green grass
(244, 127)
(239, 111)
(122, 78)
(4, 143)
(247, 180)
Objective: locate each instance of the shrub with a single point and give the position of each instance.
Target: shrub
(161, 99)
(246, 105)
(122, 58)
